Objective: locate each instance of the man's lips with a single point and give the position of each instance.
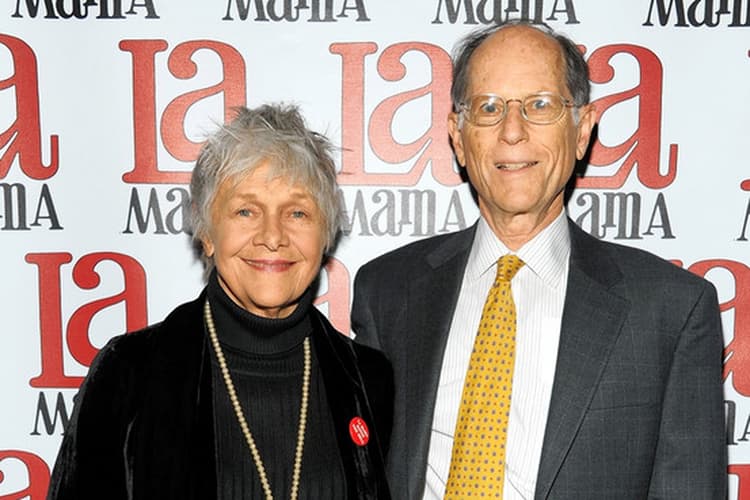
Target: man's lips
(270, 265)
(515, 165)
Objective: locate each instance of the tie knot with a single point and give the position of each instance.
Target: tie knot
(507, 267)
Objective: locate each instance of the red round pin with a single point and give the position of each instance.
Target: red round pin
(358, 431)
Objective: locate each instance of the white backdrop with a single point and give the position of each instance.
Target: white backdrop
(103, 105)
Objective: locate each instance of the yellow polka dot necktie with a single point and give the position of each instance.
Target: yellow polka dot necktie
(478, 457)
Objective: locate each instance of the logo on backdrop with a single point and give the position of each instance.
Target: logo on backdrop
(313, 11)
(65, 340)
(698, 13)
(82, 9)
(62, 341)
(484, 12)
(24, 145)
(636, 214)
(380, 172)
(164, 206)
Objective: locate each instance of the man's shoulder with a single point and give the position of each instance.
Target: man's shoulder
(642, 265)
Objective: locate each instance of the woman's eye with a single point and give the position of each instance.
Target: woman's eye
(244, 212)
(298, 214)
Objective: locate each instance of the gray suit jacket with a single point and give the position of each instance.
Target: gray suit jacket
(637, 406)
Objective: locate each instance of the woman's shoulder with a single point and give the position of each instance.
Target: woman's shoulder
(136, 347)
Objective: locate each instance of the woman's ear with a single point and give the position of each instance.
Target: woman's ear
(208, 246)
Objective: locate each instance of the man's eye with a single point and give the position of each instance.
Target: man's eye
(489, 108)
(298, 214)
(540, 104)
(244, 212)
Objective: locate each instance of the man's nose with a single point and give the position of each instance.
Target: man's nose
(513, 127)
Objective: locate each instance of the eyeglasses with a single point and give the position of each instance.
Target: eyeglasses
(485, 110)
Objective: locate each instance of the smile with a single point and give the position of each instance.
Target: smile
(515, 166)
(272, 266)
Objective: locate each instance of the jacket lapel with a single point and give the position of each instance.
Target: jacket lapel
(363, 465)
(592, 320)
(431, 301)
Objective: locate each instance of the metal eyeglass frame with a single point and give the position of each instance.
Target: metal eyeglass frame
(466, 110)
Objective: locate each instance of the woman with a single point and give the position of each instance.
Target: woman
(247, 392)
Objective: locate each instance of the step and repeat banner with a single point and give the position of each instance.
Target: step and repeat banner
(104, 105)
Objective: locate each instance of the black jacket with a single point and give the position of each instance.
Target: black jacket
(142, 426)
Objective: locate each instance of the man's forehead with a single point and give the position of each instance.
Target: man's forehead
(518, 50)
(521, 40)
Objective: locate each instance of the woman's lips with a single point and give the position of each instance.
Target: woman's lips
(273, 266)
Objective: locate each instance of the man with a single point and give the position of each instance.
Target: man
(616, 385)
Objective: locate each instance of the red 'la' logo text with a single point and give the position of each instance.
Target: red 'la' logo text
(643, 147)
(23, 138)
(36, 476)
(742, 472)
(171, 127)
(432, 147)
(85, 276)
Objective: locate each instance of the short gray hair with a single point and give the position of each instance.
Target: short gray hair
(576, 69)
(275, 133)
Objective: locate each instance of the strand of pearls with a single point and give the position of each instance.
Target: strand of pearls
(241, 416)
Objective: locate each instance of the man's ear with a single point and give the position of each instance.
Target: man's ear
(586, 122)
(454, 129)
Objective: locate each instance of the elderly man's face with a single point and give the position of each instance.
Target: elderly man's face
(266, 239)
(520, 169)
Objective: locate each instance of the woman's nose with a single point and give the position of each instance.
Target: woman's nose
(271, 233)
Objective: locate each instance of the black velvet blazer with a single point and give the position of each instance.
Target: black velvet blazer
(142, 425)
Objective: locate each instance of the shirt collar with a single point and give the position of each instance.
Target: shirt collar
(546, 255)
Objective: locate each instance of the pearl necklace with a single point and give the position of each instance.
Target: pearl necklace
(241, 417)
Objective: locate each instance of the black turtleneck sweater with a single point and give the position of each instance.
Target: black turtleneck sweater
(266, 359)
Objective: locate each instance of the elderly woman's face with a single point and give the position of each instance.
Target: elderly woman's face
(266, 239)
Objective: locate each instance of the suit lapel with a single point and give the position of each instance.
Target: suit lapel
(431, 302)
(592, 319)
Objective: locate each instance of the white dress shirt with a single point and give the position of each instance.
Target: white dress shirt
(539, 294)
